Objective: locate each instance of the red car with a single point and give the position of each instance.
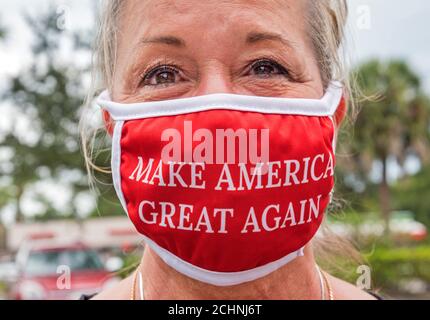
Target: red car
(59, 272)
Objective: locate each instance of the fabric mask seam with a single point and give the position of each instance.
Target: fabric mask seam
(116, 163)
(334, 144)
(169, 112)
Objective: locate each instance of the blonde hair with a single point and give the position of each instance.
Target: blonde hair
(327, 22)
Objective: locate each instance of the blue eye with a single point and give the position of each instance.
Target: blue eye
(265, 68)
(161, 75)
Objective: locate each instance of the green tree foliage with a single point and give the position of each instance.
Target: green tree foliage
(392, 124)
(413, 193)
(2, 32)
(48, 94)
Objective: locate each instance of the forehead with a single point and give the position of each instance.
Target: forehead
(210, 18)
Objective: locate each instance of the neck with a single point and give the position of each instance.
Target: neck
(297, 280)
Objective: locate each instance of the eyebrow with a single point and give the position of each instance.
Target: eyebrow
(251, 38)
(168, 40)
(254, 37)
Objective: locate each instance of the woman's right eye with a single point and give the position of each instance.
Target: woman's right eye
(161, 76)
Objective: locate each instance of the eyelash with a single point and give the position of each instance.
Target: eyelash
(269, 61)
(162, 66)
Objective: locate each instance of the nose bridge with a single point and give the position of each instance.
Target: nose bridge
(216, 53)
(214, 78)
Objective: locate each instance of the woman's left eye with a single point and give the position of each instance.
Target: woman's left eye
(161, 76)
(266, 68)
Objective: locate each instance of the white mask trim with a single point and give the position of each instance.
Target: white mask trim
(220, 278)
(326, 106)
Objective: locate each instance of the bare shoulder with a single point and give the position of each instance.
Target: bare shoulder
(120, 291)
(343, 290)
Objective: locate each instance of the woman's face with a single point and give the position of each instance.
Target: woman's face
(170, 49)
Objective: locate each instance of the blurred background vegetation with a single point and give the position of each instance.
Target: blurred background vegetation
(386, 215)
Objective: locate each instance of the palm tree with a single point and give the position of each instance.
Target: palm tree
(393, 124)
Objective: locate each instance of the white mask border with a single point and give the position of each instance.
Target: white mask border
(326, 106)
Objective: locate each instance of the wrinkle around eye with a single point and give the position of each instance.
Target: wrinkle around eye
(176, 91)
(134, 75)
(271, 87)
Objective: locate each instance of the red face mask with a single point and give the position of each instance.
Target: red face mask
(225, 188)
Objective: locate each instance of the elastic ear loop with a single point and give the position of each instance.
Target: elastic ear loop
(340, 113)
(107, 120)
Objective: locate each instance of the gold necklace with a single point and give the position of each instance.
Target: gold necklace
(323, 284)
(133, 286)
(329, 288)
